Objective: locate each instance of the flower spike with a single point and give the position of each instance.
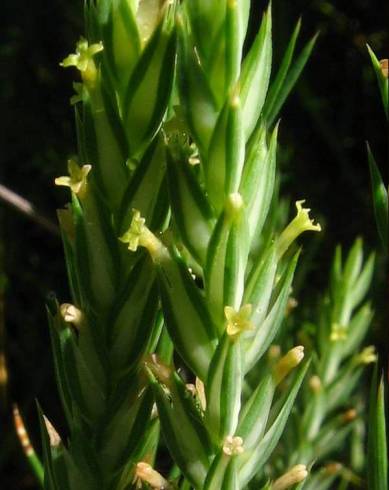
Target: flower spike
(77, 179)
(238, 321)
(302, 222)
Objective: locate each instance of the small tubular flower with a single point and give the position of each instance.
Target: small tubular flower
(367, 356)
(238, 321)
(82, 59)
(338, 332)
(233, 446)
(302, 222)
(138, 235)
(288, 362)
(77, 179)
(295, 475)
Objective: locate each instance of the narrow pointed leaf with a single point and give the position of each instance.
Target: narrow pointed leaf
(256, 458)
(277, 84)
(186, 314)
(223, 389)
(377, 467)
(149, 88)
(383, 82)
(292, 77)
(184, 432)
(266, 332)
(191, 210)
(380, 199)
(255, 75)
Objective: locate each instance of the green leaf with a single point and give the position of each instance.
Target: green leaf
(106, 141)
(254, 415)
(143, 190)
(380, 199)
(207, 19)
(191, 210)
(121, 41)
(257, 185)
(198, 102)
(265, 333)
(183, 430)
(149, 89)
(353, 265)
(259, 285)
(291, 79)
(125, 426)
(224, 165)
(278, 83)
(363, 282)
(133, 316)
(101, 249)
(357, 329)
(383, 81)
(231, 478)
(226, 260)
(253, 460)
(255, 75)
(61, 378)
(234, 44)
(377, 466)
(187, 317)
(223, 389)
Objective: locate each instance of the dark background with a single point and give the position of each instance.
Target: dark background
(325, 123)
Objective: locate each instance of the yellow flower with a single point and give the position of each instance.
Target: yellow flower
(338, 332)
(138, 235)
(82, 59)
(233, 446)
(367, 356)
(298, 225)
(133, 235)
(77, 179)
(238, 321)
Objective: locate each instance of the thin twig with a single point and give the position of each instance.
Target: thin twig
(27, 208)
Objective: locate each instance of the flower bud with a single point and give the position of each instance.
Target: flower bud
(295, 475)
(287, 363)
(145, 473)
(71, 314)
(54, 437)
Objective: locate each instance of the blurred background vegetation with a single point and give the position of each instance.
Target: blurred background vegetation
(325, 123)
